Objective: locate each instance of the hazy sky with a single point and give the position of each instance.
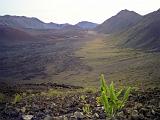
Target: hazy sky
(73, 11)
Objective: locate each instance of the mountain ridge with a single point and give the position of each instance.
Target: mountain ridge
(87, 25)
(145, 34)
(28, 22)
(121, 21)
(35, 23)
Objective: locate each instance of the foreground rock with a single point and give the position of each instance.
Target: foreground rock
(140, 106)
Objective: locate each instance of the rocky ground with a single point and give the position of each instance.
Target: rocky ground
(67, 103)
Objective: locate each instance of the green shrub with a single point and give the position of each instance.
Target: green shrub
(17, 98)
(86, 109)
(2, 96)
(111, 99)
(98, 101)
(83, 97)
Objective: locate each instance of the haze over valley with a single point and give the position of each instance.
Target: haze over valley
(34, 51)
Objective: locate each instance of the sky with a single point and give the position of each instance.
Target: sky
(73, 11)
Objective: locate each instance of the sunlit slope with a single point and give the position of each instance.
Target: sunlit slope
(124, 66)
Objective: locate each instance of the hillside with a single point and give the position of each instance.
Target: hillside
(49, 51)
(144, 35)
(8, 34)
(121, 21)
(87, 25)
(35, 23)
(28, 22)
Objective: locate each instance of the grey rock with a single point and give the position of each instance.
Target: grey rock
(40, 114)
(96, 115)
(99, 108)
(79, 115)
(128, 111)
(48, 117)
(65, 118)
(27, 117)
(134, 115)
(141, 117)
(60, 118)
(11, 112)
(138, 106)
(153, 112)
(144, 111)
(150, 106)
(120, 114)
(23, 109)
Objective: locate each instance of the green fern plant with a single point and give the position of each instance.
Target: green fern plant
(17, 98)
(111, 99)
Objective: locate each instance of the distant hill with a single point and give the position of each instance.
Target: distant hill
(123, 20)
(28, 22)
(8, 34)
(87, 25)
(12, 36)
(52, 25)
(71, 27)
(34, 23)
(145, 34)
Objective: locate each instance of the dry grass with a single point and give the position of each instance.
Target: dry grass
(122, 65)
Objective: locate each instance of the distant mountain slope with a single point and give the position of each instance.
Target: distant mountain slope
(145, 34)
(86, 25)
(52, 25)
(34, 23)
(8, 34)
(123, 20)
(27, 22)
(71, 27)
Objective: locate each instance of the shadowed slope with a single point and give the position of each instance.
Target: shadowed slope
(11, 34)
(145, 34)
